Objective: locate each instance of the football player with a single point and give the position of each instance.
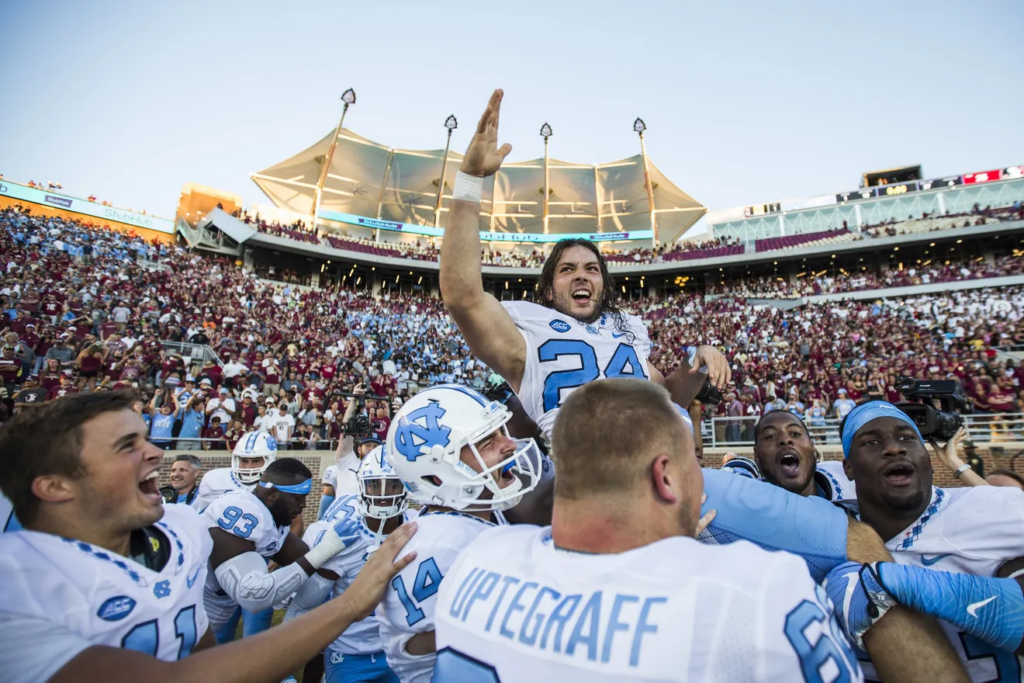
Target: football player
(975, 535)
(451, 448)
(577, 333)
(252, 455)
(786, 457)
(250, 528)
(379, 509)
(618, 589)
(104, 583)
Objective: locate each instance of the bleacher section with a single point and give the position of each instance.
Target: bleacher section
(805, 239)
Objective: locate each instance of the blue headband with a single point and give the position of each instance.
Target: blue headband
(866, 412)
(301, 489)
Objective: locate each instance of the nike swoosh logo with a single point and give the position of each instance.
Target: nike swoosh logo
(929, 561)
(973, 608)
(620, 334)
(190, 580)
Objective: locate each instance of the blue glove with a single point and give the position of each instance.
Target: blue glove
(347, 530)
(859, 598)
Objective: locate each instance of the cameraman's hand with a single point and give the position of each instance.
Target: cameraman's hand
(483, 157)
(949, 452)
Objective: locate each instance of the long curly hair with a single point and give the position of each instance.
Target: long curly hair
(609, 297)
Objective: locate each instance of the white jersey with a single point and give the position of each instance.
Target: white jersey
(514, 608)
(243, 514)
(362, 637)
(562, 354)
(8, 520)
(839, 485)
(215, 484)
(969, 531)
(59, 597)
(408, 605)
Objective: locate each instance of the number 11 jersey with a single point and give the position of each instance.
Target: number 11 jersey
(563, 353)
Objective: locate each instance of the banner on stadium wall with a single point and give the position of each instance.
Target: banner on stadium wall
(378, 224)
(982, 177)
(85, 207)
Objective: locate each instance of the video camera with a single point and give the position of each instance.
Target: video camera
(941, 424)
(708, 394)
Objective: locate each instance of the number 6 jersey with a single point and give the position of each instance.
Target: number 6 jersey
(59, 597)
(562, 354)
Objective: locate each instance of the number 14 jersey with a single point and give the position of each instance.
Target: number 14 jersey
(563, 353)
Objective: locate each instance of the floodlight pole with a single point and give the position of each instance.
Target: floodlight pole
(348, 97)
(639, 126)
(451, 124)
(546, 132)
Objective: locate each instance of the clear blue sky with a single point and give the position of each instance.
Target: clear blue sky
(745, 102)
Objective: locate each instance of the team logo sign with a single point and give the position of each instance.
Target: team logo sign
(116, 609)
(420, 431)
(559, 326)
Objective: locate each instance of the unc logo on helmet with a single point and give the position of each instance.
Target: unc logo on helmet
(413, 439)
(559, 326)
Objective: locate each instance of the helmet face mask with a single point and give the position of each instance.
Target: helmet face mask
(427, 439)
(381, 493)
(253, 445)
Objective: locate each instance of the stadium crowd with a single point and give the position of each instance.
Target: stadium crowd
(88, 308)
(619, 556)
(839, 282)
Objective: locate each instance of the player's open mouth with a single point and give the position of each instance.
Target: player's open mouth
(581, 296)
(506, 478)
(789, 462)
(899, 474)
(150, 485)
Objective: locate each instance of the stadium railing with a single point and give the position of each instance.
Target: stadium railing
(191, 353)
(720, 432)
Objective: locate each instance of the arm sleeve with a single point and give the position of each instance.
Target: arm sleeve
(246, 581)
(33, 649)
(313, 592)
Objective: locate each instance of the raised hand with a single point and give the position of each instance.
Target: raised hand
(483, 157)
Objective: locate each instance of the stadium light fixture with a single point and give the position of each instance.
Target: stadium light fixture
(451, 123)
(639, 126)
(545, 131)
(349, 96)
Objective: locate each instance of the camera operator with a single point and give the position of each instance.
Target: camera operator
(356, 442)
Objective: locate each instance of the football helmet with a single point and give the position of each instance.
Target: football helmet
(253, 445)
(425, 443)
(381, 493)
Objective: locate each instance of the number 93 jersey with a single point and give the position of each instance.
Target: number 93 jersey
(59, 597)
(562, 354)
(408, 605)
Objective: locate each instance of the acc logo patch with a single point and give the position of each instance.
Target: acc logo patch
(116, 609)
(560, 326)
(420, 431)
(272, 546)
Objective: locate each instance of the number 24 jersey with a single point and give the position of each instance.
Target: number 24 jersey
(563, 353)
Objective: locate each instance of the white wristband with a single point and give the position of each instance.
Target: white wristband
(468, 188)
(329, 546)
